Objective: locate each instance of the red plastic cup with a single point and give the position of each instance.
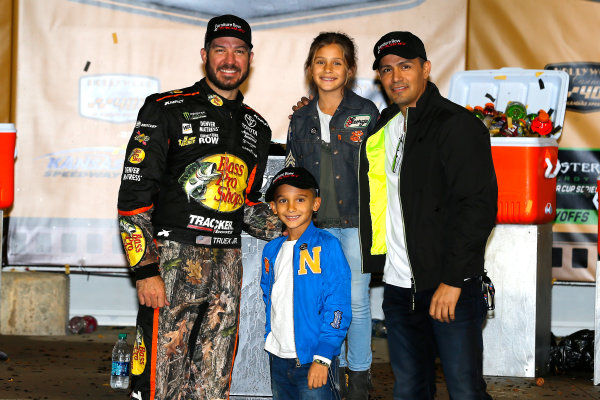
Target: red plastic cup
(8, 137)
(91, 324)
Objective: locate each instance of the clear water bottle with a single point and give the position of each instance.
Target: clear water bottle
(121, 356)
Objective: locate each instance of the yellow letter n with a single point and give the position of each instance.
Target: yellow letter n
(313, 263)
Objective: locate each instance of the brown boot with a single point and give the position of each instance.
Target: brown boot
(358, 385)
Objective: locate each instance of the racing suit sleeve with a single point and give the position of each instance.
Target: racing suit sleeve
(336, 312)
(259, 220)
(145, 160)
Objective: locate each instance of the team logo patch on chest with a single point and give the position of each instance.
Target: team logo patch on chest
(208, 132)
(137, 156)
(357, 136)
(250, 121)
(186, 128)
(357, 121)
(215, 100)
(142, 138)
(187, 140)
(217, 182)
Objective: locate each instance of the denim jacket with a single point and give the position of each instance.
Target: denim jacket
(351, 123)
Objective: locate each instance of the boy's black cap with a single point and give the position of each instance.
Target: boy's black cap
(294, 176)
(228, 26)
(402, 44)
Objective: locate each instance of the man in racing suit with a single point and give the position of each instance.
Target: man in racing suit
(191, 179)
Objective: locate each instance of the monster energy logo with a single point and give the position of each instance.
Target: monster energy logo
(194, 115)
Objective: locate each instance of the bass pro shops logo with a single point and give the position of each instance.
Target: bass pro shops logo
(133, 241)
(584, 85)
(217, 182)
(140, 355)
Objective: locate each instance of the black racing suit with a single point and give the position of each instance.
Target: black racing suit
(193, 168)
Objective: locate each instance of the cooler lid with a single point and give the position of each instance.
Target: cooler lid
(536, 88)
(523, 142)
(7, 128)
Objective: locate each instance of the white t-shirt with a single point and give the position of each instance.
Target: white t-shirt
(280, 341)
(325, 120)
(397, 268)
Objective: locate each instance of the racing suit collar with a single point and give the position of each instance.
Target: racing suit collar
(229, 104)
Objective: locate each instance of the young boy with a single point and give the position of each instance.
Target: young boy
(306, 288)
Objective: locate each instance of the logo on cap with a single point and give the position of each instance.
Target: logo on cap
(390, 43)
(229, 25)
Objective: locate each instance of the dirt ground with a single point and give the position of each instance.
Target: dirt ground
(59, 367)
(78, 366)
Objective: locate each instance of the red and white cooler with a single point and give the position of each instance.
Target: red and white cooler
(526, 168)
(8, 137)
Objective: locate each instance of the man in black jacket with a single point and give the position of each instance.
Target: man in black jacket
(428, 198)
(191, 179)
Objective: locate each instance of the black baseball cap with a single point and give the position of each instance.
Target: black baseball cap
(294, 176)
(228, 26)
(402, 44)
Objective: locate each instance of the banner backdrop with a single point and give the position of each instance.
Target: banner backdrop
(85, 67)
(558, 35)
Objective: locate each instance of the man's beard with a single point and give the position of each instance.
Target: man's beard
(211, 75)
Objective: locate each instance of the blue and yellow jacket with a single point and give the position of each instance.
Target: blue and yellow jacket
(321, 292)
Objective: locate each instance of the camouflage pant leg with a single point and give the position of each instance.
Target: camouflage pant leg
(212, 363)
(204, 306)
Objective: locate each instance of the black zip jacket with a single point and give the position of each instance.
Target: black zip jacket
(448, 192)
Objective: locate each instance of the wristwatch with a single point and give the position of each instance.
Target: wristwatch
(320, 362)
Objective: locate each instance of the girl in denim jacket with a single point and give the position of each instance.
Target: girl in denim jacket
(324, 137)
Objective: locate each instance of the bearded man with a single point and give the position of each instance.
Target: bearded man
(191, 177)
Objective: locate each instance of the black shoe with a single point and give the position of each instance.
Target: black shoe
(343, 382)
(358, 385)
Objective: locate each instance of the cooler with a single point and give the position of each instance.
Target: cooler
(8, 137)
(526, 168)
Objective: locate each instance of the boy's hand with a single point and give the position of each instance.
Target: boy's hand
(317, 375)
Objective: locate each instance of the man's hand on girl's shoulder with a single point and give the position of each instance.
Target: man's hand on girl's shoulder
(303, 102)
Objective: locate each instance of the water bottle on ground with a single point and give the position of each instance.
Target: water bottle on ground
(121, 356)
